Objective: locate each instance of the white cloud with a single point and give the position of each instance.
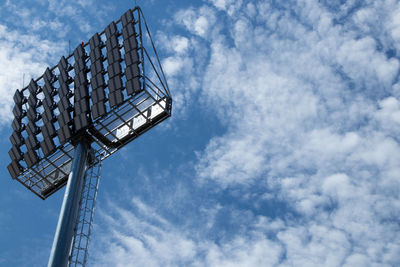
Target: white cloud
(199, 22)
(22, 54)
(305, 114)
(146, 239)
(309, 100)
(180, 44)
(183, 71)
(172, 65)
(44, 17)
(230, 6)
(360, 59)
(30, 41)
(394, 25)
(388, 115)
(238, 160)
(221, 4)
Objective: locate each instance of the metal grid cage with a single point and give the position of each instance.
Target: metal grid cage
(123, 122)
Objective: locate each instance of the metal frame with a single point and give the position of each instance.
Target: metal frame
(51, 173)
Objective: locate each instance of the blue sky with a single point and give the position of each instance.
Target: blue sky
(282, 150)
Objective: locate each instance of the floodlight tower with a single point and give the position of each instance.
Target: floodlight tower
(96, 100)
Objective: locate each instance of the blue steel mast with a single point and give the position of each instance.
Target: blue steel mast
(69, 210)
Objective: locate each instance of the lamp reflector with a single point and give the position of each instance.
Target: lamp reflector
(17, 111)
(64, 134)
(16, 125)
(48, 147)
(98, 110)
(31, 158)
(16, 139)
(31, 142)
(14, 169)
(18, 97)
(15, 153)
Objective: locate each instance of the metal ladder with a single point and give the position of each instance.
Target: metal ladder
(79, 249)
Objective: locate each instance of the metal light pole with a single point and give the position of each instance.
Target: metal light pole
(70, 207)
(125, 95)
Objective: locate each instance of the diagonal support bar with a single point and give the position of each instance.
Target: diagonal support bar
(70, 207)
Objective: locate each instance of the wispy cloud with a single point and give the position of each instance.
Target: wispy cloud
(144, 238)
(22, 55)
(31, 40)
(307, 92)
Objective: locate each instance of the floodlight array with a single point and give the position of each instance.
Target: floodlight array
(101, 92)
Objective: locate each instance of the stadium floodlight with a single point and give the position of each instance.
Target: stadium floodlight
(96, 100)
(90, 93)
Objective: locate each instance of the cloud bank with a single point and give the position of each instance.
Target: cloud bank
(305, 171)
(308, 95)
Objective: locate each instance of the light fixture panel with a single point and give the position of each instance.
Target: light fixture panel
(48, 147)
(98, 110)
(102, 92)
(15, 169)
(17, 111)
(48, 130)
(31, 158)
(15, 153)
(18, 97)
(16, 139)
(16, 125)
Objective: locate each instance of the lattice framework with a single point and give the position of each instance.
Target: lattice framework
(110, 90)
